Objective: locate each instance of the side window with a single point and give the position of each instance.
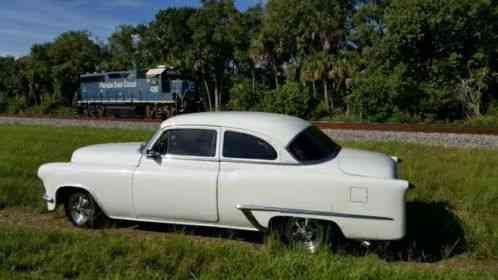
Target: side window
(187, 142)
(161, 145)
(245, 146)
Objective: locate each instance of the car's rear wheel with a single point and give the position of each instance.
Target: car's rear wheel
(308, 234)
(81, 209)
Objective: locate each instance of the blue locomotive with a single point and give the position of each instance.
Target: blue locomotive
(156, 93)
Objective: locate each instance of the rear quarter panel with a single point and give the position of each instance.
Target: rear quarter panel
(311, 187)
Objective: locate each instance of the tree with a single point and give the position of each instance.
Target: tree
(471, 90)
(244, 58)
(433, 41)
(169, 37)
(39, 74)
(124, 49)
(8, 76)
(216, 31)
(71, 54)
(276, 43)
(305, 35)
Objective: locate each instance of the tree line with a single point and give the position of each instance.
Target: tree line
(374, 60)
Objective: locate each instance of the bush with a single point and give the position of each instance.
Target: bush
(482, 121)
(373, 97)
(320, 112)
(492, 109)
(242, 97)
(291, 98)
(48, 104)
(16, 104)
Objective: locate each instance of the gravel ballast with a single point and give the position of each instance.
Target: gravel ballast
(435, 139)
(438, 139)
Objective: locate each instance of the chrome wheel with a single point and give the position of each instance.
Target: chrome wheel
(80, 209)
(305, 233)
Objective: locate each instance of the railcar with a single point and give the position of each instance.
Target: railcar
(155, 93)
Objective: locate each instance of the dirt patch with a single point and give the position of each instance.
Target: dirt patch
(32, 219)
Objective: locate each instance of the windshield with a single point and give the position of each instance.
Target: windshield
(312, 145)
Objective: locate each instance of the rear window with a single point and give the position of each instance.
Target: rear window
(312, 145)
(245, 146)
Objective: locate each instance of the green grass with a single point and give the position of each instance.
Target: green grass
(58, 255)
(25, 148)
(452, 214)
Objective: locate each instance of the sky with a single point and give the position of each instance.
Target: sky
(25, 22)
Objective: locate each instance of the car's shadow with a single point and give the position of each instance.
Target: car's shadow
(434, 233)
(194, 231)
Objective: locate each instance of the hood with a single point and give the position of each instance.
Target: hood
(365, 163)
(119, 154)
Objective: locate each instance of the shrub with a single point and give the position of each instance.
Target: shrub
(482, 121)
(379, 95)
(292, 98)
(320, 112)
(16, 104)
(373, 97)
(242, 97)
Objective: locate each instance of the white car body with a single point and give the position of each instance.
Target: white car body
(357, 190)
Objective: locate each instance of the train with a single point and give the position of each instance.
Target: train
(159, 92)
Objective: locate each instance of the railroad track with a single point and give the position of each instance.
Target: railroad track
(425, 128)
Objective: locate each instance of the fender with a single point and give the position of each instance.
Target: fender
(77, 186)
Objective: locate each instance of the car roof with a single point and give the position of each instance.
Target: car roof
(279, 127)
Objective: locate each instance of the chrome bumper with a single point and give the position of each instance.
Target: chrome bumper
(48, 199)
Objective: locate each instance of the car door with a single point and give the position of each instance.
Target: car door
(250, 174)
(180, 182)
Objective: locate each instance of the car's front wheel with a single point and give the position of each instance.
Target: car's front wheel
(81, 209)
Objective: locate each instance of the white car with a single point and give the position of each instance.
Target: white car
(237, 170)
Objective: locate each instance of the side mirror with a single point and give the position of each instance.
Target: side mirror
(152, 154)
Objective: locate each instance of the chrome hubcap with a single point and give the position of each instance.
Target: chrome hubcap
(305, 233)
(81, 209)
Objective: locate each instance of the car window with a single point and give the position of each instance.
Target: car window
(245, 146)
(312, 145)
(187, 142)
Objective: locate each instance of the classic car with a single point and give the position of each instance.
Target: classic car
(236, 170)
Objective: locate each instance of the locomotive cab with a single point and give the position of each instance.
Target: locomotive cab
(172, 86)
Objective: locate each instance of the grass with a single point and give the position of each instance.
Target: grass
(57, 255)
(452, 215)
(25, 148)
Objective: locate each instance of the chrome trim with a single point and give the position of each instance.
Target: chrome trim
(274, 162)
(247, 211)
(250, 217)
(191, 158)
(48, 199)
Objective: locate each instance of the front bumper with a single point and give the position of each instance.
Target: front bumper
(50, 202)
(48, 198)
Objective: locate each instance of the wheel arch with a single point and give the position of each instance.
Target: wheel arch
(263, 218)
(63, 191)
(278, 220)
